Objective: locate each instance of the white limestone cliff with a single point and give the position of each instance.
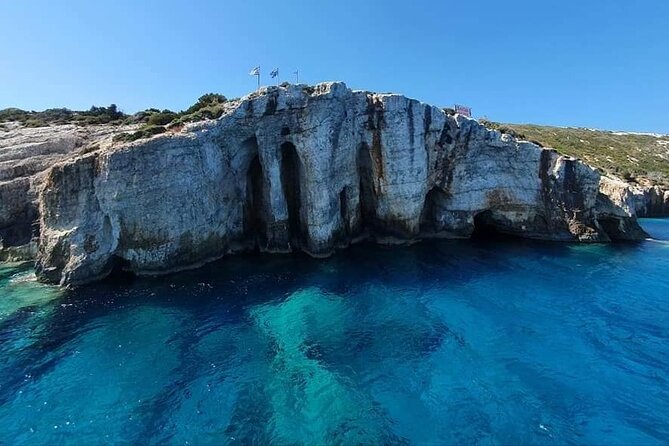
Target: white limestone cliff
(311, 169)
(304, 168)
(25, 156)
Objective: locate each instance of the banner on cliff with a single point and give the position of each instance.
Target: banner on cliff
(463, 110)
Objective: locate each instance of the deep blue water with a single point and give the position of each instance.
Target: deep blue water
(474, 342)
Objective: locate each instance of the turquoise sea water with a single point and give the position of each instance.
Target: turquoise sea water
(475, 342)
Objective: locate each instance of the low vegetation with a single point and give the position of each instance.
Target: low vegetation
(208, 106)
(95, 115)
(145, 131)
(153, 120)
(632, 156)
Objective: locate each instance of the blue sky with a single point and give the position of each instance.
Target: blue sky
(590, 63)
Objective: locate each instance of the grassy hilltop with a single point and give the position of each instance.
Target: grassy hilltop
(631, 156)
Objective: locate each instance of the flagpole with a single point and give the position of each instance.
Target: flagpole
(258, 77)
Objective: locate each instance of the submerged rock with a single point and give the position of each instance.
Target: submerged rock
(311, 169)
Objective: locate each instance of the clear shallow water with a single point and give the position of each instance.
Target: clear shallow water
(442, 342)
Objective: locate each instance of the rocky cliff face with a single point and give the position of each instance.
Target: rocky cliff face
(25, 155)
(651, 201)
(312, 169)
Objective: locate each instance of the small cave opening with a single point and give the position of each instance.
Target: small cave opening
(119, 271)
(484, 227)
(254, 218)
(621, 230)
(343, 209)
(429, 217)
(291, 172)
(610, 226)
(254, 206)
(367, 192)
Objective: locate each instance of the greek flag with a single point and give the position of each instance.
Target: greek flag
(255, 71)
(274, 72)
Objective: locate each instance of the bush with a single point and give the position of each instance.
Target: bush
(13, 114)
(627, 176)
(161, 118)
(100, 115)
(96, 115)
(209, 106)
(144, 132)
(33, 122)
(205, 101)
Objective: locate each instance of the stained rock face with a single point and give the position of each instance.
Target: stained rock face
(311, 169)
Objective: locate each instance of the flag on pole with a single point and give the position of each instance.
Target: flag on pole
(274, 73)
(255, 71)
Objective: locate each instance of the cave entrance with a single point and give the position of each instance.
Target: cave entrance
(484, 226)
(254, 210)
(367, 193)
(120, 271)
(429, 217)
(254, 193)
(291, 172)
(619, 230)
(343, 209)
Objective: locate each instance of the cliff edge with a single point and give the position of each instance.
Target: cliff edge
(313, 169)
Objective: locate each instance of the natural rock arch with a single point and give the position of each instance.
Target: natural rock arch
(429, 218)
(255, 207)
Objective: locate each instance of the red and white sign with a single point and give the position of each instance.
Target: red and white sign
(462, 110)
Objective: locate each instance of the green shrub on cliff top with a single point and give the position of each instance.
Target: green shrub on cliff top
(208, 106)
(95, 115)
(161, 118)
(144, 132)
(206, 101)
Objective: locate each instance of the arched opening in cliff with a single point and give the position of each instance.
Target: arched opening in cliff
(429, 216)
(621, 229)
(254, 219)
(485, 227)
(120, 270)
(24, 228)
(367, 190)
(291, 173)
(343, 210)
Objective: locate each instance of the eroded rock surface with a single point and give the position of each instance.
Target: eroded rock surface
(25, 155)
(311, 169)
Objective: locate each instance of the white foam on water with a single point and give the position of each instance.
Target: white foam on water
(26, 277)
